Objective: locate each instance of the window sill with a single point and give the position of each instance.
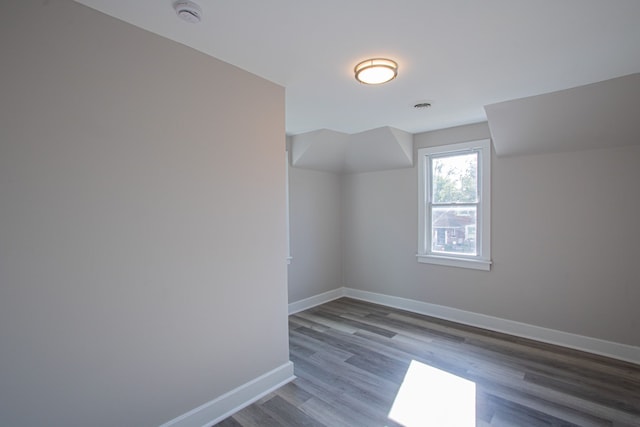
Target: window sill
(476, 264)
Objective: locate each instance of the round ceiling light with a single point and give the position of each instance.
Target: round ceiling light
(188, 11)
(376, 71)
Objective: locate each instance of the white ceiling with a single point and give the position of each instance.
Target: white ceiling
(460, 55)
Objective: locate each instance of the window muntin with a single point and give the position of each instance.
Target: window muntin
(455, 204)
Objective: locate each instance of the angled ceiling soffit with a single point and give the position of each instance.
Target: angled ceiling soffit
(377, 149)
(599, 115)
(320, 150)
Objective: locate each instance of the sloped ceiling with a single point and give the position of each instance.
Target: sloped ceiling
(458, 55)
(598, 115)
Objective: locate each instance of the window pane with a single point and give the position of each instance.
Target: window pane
(455, 178)
(454, 229)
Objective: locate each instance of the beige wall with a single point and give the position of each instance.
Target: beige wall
(142, 222)
(565, 240)
(315, 218)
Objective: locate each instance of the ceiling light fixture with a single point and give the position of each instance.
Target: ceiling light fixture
(188, 11)
(376, 71)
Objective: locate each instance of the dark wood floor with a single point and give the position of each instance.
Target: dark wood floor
(351, 357)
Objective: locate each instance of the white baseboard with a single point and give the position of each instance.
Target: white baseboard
(313, 301)
(226, 405)
(579, 342)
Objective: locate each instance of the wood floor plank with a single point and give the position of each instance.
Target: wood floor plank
(288, 415)
(489, 398)
(229, 422)
(350, 358)
(294, 394)
(254, 416)
(356, 322)
(307, 344)
(331, 414)
(352, 404)
(609, 398)
(334, 379)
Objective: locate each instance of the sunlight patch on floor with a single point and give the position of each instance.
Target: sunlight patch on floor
(432, 397)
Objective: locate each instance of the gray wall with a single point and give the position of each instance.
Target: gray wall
(142, 222)
(565, 240)
(315, 228)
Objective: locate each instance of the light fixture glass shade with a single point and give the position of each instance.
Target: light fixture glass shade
(376, 71)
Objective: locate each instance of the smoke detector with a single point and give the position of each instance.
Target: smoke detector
(188, 11)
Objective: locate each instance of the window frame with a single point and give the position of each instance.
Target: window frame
(482, 260)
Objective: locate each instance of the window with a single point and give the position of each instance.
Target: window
(455, 205)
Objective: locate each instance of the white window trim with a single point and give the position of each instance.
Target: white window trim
(483, 260)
